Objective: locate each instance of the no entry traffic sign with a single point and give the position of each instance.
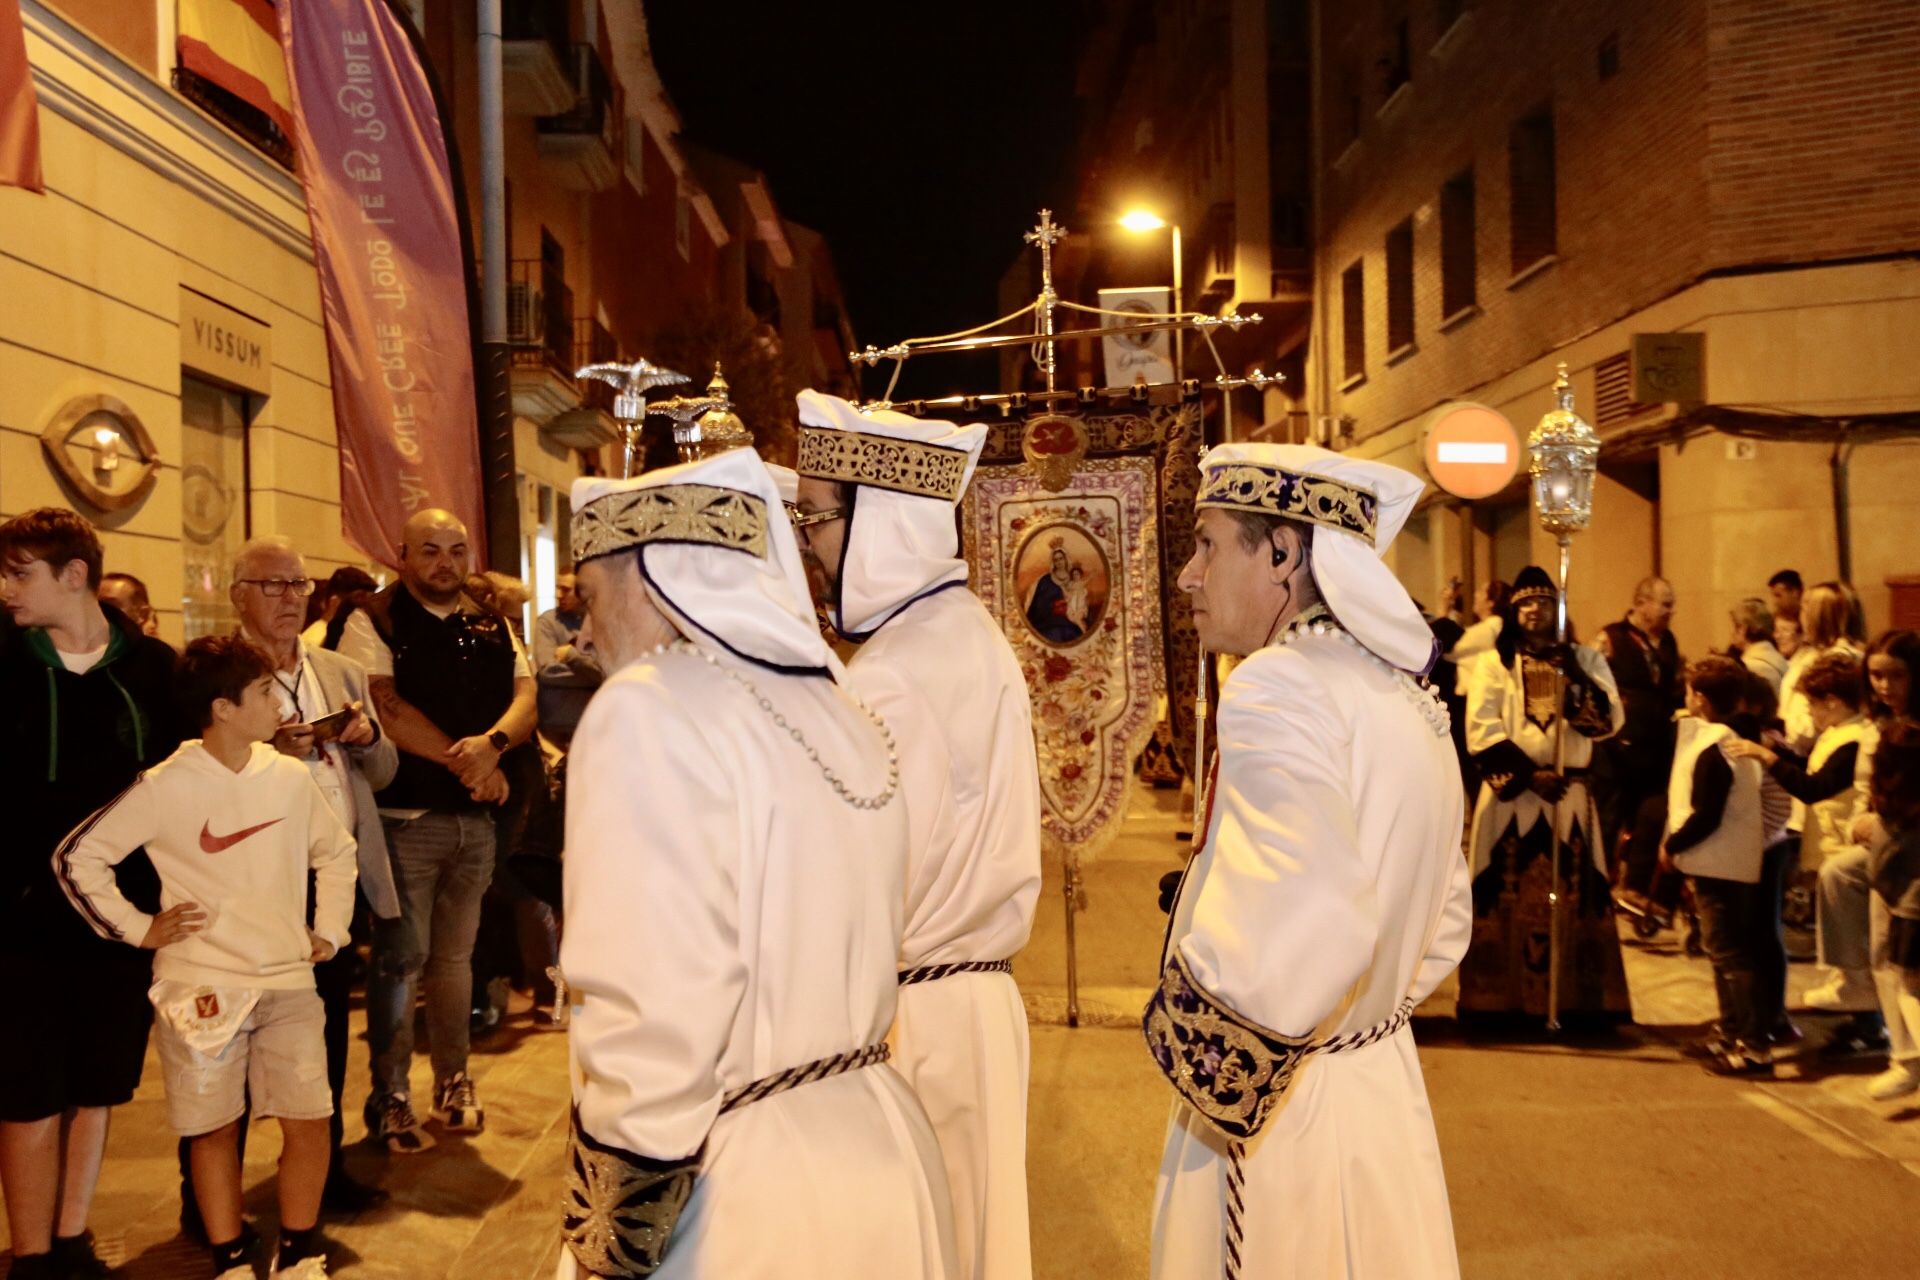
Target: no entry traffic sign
(1472, 451)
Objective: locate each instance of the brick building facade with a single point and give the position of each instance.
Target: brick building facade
(1501, 185)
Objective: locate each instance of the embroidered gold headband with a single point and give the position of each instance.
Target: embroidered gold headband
(882, 462)
(699, 513)
(1247, 486)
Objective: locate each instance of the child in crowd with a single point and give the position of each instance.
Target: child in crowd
(233, 828)
(1715, 835)
(1894, 866)
(1825, 779)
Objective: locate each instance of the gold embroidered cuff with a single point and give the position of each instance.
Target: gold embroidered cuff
(1247, 486)
(620, 1208)
(700, 513)
(882, 462)
(1230, 1070)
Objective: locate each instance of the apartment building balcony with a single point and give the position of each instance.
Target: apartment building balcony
(582, 143)
(540, 331)
(536, 61)
(591, 424)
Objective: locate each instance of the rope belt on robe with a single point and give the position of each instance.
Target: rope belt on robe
(935, 972)
(794, 1077)
(1237, 1151)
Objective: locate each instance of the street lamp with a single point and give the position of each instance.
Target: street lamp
(1563, 453)
(1141, 221)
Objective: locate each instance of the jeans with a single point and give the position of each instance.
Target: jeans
(1842, 914)
(441, 865)
(1769, 935)
(1726, 913)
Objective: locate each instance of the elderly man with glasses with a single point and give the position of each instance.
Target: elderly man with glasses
(327, 724)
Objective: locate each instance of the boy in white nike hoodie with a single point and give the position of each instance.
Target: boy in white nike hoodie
(233, 828)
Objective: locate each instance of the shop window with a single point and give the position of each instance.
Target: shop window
(214, 515)
(1458, 264)
(1531, 211)
(1400, 286)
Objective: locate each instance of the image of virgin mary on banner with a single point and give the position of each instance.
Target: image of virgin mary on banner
(1073, 577)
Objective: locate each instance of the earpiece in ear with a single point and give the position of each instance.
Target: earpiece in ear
(1279, 555)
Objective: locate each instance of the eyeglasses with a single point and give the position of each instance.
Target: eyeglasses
(803, 520)
(274, 588)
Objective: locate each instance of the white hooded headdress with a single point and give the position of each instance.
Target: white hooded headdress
(1356, 508)
(901, 541)
(717, 555)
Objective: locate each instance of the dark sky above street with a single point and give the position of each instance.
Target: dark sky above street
(921, 140)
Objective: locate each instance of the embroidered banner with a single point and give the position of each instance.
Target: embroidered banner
(19, 123)
(1073, 578)
(386, 238)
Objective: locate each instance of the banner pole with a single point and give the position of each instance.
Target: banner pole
(495, 372)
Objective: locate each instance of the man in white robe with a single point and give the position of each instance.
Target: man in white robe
(937, 667)
(735, 890)
(1330, 895)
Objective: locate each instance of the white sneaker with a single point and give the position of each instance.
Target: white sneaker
(1895, 1082)
(1845, 992)
(313, 1267)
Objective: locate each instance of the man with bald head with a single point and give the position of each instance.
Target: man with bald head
(453, 688)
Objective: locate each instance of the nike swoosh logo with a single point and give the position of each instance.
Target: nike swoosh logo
(216, 844)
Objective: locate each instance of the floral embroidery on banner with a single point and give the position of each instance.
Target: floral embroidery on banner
(1073, 578)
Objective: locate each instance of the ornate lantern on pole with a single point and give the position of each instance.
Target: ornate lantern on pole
(1563, 454)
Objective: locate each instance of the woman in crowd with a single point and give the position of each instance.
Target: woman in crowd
(1753, 625)
(1512, 712)
(1831, 620)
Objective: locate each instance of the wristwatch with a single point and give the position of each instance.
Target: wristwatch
(500, 740)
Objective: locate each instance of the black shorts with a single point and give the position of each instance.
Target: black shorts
(79, 1027)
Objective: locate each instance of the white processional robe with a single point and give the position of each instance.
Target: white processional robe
(943, 677)
(1330, 889)
(729, 917)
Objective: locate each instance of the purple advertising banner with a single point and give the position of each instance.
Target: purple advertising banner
(386, 239)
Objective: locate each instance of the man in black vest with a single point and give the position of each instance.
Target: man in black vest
(455, 693)
(1646, 665)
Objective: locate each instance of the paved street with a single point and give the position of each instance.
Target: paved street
(1565, 1159)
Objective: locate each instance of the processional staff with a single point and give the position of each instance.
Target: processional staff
(1563, 454)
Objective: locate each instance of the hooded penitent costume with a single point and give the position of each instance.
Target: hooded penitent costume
(735, 887)
(937, 668)
(1329, 898)
(1511, 718)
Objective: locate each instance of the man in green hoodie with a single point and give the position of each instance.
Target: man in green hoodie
(85, 704)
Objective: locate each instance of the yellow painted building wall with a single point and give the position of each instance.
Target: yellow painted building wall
(146, 195)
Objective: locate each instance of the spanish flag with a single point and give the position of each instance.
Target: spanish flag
(236, 45)
(19, 123)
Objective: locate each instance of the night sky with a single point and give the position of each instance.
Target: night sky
(920, 139)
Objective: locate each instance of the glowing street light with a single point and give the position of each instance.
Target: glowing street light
(1141, 221)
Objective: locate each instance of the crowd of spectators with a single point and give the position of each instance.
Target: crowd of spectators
(407, 716)
(1750, 796)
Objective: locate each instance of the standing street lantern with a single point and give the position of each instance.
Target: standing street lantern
(1563, 453)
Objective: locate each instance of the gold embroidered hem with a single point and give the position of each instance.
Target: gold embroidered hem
(882, 462)
(701, 513)
(620, 1208)
(1232, 1071)
(1245, 486)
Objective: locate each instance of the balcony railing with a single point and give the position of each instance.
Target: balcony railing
(592, 113)
(540, 316)
(586, 138)
(592, 344)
